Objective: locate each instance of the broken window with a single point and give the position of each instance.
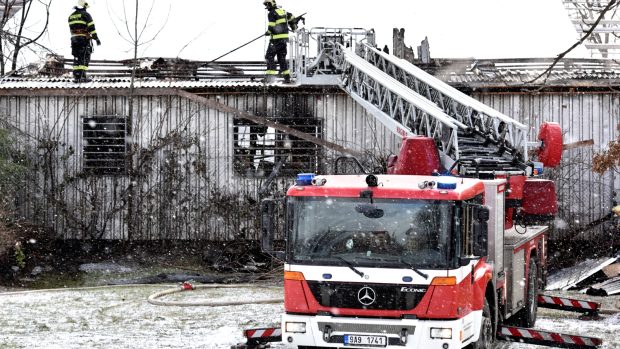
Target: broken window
(104, 145)
(258, 149)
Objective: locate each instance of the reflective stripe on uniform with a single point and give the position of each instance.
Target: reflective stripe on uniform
(77, 22)
(271, 72)
(93, 32)
(91, 24)
(80, 67)
(79, 35)
(286, 72)
(281, 20)
(272, 24)
(279, 36)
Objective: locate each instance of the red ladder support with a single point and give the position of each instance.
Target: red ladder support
(568, 304)
(259, 338)
(550, 339)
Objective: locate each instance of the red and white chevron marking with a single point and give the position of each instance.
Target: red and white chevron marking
(262, 333)
(567, 302)
(550, 336)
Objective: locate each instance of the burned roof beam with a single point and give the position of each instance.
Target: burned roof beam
(264, 121)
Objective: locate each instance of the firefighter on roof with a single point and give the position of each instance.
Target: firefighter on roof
(278, 29)
(83, 31)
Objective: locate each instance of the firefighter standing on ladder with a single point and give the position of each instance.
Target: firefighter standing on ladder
(83, 31)
(278, 29)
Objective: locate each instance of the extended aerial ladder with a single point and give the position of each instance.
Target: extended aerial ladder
(409, 101)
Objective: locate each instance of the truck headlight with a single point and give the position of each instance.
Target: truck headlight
(441, 333)
(295, 327)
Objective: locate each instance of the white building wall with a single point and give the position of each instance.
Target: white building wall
(196, 207)
(583, 195)
(197, 204)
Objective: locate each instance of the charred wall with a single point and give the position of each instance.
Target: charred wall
(180, 180)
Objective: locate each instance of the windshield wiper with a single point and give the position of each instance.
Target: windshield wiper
(350, 265)
(412, 267)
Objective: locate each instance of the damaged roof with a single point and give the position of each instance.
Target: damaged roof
(530, 72)
(55, 73)
(573, 277)
(120, 83)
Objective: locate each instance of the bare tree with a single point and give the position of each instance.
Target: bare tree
(17, 32)
(135, 32)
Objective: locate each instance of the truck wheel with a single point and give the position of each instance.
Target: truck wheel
(485, 341)
(527, 317)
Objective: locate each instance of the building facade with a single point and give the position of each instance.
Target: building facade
(172, 159)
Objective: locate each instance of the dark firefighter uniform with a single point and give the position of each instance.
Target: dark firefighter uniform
(278, 30)
(83, 31)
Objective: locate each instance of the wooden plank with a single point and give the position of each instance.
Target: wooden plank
(579, 144)
(263, 121)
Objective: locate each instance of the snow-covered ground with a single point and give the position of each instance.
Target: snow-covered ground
(121, 317)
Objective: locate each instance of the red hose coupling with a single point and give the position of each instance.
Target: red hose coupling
(186, 286)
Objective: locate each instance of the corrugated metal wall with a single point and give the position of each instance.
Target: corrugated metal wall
(184, 185)
(187, 188)
(583, 195)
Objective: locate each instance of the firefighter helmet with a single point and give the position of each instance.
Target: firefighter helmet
(82, 3)
(271, 3)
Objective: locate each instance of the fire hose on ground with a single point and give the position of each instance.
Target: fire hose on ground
(187, 286)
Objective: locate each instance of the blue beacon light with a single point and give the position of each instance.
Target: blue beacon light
(446, 183)
(304, 179)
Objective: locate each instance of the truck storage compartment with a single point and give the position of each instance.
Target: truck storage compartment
(539, 202)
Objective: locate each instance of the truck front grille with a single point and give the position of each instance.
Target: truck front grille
(380, 296)
(365, 328)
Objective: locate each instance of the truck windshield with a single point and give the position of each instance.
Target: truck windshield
(388, 233)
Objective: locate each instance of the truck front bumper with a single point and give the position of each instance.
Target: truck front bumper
(330, 332)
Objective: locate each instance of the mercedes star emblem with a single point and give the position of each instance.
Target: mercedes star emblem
(366, 295)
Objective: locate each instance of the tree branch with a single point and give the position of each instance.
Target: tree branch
(547, 72)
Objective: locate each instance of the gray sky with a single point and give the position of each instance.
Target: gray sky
(455, 28)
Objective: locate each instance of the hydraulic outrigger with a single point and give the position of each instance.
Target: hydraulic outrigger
(261, 338)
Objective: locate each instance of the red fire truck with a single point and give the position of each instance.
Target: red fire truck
(447, 249)
(412, 259)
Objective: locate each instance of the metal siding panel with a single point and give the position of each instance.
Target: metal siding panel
(583, 195)
(585, 115)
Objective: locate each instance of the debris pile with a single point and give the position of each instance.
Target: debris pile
(596, 277)
(609, 287)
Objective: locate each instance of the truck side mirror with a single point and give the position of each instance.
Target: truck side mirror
(268, 227)
(481, 231)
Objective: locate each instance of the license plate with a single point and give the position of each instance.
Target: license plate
(370, 341)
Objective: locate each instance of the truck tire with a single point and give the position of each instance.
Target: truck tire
(485, 341)
(527, 317)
